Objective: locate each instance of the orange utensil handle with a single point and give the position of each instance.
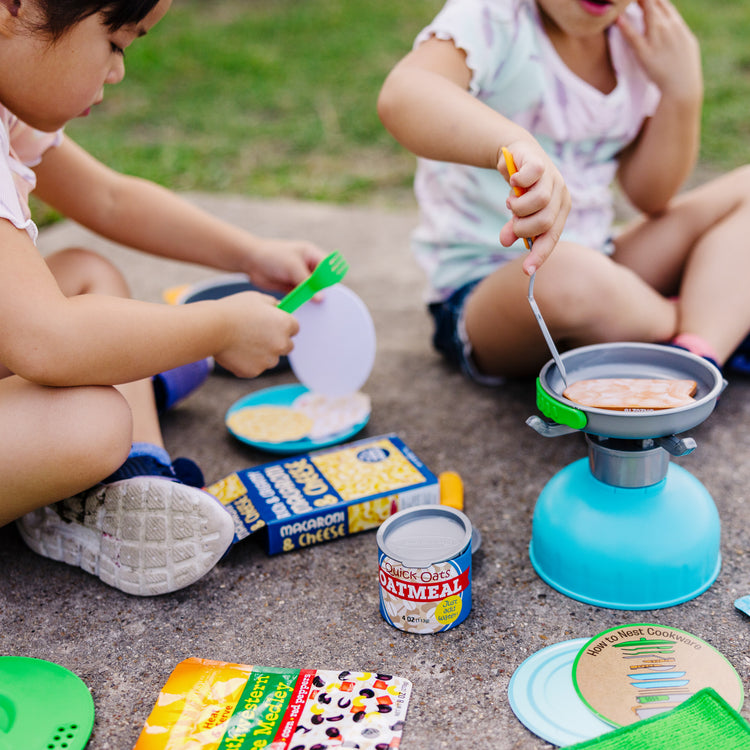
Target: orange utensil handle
(511, 165)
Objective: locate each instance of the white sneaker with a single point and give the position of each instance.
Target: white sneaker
(145, 535)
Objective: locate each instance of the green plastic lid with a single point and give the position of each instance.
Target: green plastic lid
(43, 706)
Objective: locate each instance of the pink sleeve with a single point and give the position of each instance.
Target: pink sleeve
(21, 149)
(29, 145)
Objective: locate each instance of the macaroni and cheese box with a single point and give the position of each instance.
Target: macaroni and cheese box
(328, 494)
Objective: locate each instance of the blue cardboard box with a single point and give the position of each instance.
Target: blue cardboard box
(327, 494)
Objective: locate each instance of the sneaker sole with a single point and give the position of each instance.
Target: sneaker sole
(144, 536)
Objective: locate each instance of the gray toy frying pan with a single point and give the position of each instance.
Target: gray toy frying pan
(628, 360)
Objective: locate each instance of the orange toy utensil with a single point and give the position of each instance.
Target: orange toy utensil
(511, 165)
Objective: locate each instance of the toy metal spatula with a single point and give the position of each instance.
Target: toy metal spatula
(511, 165)
(43, 706)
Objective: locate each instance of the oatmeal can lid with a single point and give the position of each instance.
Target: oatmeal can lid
(424, 535)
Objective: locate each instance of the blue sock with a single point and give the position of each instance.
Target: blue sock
(149, 449)
(147, 459)
(144, 459)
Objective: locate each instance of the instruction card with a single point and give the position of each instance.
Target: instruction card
(636, 671)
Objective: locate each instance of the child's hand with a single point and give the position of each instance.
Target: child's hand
(541, 208)
(280, 265)
(258, 333)
(667, 49)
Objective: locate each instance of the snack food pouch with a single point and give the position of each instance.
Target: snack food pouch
(213, 705)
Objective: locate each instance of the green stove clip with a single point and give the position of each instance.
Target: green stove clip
(557, 411)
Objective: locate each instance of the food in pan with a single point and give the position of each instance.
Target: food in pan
(629, 394)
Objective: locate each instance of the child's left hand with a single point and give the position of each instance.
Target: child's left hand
(667, 49)
(279, 265)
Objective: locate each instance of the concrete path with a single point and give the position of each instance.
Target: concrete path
(318, 608)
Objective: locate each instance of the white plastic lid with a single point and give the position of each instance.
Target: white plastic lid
(425, 534)
(334, 350)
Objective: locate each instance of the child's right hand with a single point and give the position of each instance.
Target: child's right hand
(258, 333)
(667, 49)
(541, 208)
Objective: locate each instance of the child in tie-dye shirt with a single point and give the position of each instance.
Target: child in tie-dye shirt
(582, 92)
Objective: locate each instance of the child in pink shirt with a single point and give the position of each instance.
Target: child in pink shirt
(82, 458)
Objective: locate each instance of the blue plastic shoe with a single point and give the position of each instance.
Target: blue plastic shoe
(181, 470)
(172, 386)
(739, 361)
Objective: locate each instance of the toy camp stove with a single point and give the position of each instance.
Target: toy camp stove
(626, 528)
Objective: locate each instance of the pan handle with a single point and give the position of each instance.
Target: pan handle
(557, 411)
(548, 428)
(677, 446)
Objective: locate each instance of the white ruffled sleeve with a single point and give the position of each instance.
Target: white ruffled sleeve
(496, 37)
(10, 203)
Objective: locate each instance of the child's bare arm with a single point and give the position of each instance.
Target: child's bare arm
(654, 168)
(145, 216)
(426, 105)
(92, 339)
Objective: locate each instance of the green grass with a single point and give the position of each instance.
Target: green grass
(263, 97)
(277, 97)
(723, 29)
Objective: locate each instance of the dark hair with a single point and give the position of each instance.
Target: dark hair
(60, 15)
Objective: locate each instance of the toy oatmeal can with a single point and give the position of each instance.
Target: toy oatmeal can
(424, 560)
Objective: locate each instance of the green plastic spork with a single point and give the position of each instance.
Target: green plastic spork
(328, 272)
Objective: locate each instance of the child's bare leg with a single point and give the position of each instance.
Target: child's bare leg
(699, 249)
(584, 297)
(142, 530)
(144, 535)
(55, 442)
(80, 271)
